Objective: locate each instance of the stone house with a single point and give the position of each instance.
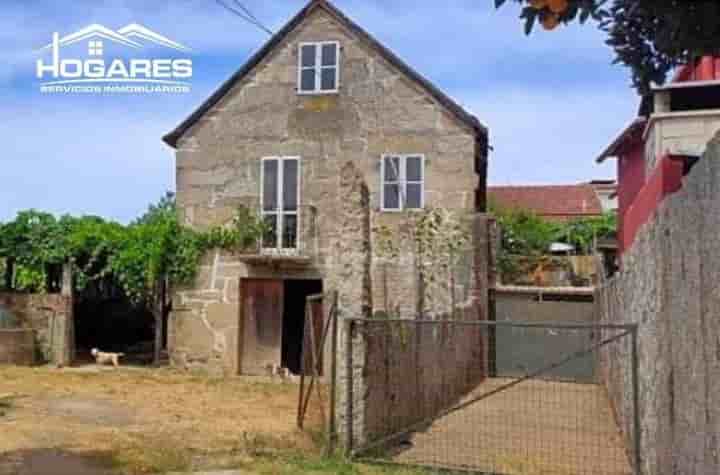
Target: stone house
(327, 134)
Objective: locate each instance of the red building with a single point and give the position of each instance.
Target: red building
(659, 147)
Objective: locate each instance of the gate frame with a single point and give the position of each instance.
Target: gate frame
(317, 355)
(626, 329)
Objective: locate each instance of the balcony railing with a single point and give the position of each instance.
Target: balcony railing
(291, 237)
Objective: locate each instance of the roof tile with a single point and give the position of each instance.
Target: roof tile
(555, 202)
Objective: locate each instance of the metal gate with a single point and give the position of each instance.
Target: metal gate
(443, 394)
(319, 359)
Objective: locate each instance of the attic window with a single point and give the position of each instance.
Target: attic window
(318, 71)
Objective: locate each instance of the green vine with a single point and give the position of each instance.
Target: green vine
(526, 238)
(134, 257)
(437, 238)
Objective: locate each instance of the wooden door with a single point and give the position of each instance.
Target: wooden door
(262, 307)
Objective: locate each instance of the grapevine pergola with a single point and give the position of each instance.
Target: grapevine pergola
(144, 259)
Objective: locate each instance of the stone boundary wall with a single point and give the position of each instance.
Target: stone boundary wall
(17, 347)
(49, 317)
(615, 360)
(669, 286)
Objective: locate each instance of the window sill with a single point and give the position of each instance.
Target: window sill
(317, 93)
(401, 210)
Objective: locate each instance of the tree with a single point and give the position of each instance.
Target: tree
(651, 37)
(151, 256)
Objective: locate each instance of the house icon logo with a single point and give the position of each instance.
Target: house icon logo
(92, 67)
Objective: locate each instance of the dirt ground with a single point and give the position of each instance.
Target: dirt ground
(142, 420)
(536, 427)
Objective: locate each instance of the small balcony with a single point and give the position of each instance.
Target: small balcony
(679, 133)
(291, 239)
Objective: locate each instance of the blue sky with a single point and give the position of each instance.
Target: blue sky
(552, 101)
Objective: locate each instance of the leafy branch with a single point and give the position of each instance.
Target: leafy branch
(651, 37)
(527, 236)
(133, 257)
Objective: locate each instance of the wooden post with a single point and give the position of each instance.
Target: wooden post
(158, 312)
(332, 430)
(9, 271)
(66, 339)
(167, 308)
(67, 280)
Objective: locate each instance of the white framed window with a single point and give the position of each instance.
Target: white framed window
(280, 201)
(403, 182)
(319, 67)
(95, 48)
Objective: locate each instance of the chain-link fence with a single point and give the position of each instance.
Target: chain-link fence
(488, 397)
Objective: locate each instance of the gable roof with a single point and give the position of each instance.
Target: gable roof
(452, 106)
(554, 202)
(631, 133)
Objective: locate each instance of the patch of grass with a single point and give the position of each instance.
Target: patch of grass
(259, 443)
(337, 465)
(151, 456)
(292, 464)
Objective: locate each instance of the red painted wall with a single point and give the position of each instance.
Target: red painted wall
(706, 69)
(665, 180)
(631, 173)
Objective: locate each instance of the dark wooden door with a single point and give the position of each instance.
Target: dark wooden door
(262, 308)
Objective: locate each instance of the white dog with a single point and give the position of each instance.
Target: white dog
(102, 357)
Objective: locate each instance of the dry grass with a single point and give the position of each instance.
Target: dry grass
(151, 420)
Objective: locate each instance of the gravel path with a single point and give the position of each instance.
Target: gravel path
(536, 427)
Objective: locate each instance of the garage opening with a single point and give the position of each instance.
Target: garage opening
(293, 320)
(110, 322)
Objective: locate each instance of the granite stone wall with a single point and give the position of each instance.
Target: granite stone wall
(17, 347)
(669, 286)
(49, 318)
